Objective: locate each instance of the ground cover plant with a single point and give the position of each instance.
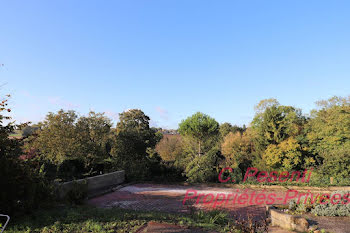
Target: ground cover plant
(91, 219)
(338, 207)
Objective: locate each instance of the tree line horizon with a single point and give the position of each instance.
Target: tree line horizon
(66, 146)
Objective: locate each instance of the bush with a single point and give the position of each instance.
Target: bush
(78, 193)
(22, 189)
(319, 209)
(330, 209)
(235, 175)
(322, 178)
(70, 169)
(204, 168)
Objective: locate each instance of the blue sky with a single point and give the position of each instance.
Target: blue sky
(172, 58)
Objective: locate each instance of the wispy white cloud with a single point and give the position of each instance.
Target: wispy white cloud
(163, 113)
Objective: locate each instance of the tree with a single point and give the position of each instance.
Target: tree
(57, 137)
(170, 147)
(265, 104)
(226, 128)
(94, 134)
(8, 147)
(237, 149)
(134, 127)
(205, 168)
(28, 130)
(329, 127)
(287, 155)
(65, 136)
(199, 127)
(23, 190)
(276, 124)
(336, 164)
(134, 138)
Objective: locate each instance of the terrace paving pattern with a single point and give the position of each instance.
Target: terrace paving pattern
(169, 198)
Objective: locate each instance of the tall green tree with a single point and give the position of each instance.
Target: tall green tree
(199, 127)
(329, 126)
(64, 136)
(57, 138)
(272, 125)
(134, 140)
(94, 134)
(277, 123)
(205, 168)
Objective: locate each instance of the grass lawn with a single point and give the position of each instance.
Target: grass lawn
(91, 219)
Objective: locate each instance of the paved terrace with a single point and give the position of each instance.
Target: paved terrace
(169, 198)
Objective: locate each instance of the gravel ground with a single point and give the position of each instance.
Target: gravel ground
(330, 224)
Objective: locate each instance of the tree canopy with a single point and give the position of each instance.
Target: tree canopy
(200, 127)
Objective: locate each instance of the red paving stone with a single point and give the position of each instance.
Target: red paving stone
(155, 227)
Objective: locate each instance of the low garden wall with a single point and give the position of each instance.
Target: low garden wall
(93, 184)
(287, 221)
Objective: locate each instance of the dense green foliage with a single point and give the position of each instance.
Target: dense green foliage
(204, 168)
(279, 138)
(201, 128)
(22, 189)
(68, 146)
(329, 127)
(134, 145)
(202, 164)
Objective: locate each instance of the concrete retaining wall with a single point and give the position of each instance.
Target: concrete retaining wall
(287, 221)
(94, 184)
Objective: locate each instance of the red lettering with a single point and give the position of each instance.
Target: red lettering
(250, 175)
(262, 174)
(228, 178)
(189, 197)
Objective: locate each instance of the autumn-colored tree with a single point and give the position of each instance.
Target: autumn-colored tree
(170, 147)
(237, 149)
(287, 155)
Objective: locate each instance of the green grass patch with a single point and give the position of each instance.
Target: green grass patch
(91, 219)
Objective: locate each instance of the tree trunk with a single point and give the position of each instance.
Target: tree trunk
(199, 148)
